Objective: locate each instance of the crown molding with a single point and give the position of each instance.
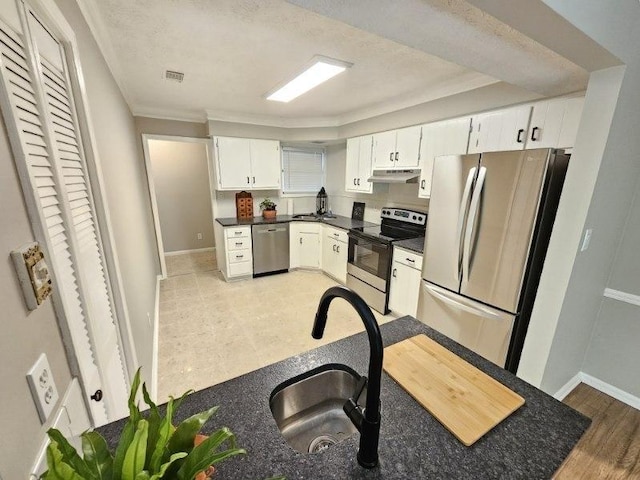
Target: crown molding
(93, 18)
(167, 114)
(271, 120)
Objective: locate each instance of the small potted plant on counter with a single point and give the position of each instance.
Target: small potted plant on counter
(150, 447)
(268, 208)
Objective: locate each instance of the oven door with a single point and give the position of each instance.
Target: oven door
(369, 260)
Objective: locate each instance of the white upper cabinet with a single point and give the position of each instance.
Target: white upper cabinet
(397, 149)
(554, 123)
(247, 164)
(500, 130)
(358, 169)
(450, 137)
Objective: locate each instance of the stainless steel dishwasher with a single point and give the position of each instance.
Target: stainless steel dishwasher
(270, 248)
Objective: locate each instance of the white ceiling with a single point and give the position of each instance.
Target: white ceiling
(233, 52)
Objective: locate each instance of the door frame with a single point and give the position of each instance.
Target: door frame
(146, 137)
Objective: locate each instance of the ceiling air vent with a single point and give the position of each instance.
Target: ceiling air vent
(175, 76)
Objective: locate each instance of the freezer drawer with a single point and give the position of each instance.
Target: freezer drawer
(483, 329)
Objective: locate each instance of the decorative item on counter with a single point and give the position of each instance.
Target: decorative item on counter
(321, 202)
(244, 206)
(268, 208)
(358, 211)
(150, 447)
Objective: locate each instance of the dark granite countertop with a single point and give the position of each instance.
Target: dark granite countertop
(413, 244)
(529, 444)
(337, 221)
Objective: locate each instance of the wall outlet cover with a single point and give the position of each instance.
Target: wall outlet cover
(33, 274)
(43, 388)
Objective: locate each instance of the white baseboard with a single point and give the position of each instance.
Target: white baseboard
(180, 252)
(600, 385)
(154, 348)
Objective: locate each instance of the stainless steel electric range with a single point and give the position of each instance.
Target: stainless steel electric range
(371, 253)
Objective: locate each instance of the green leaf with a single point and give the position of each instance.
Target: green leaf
(176, 403)
(126, 437)
(136, 453)
(155, 422)
(182, 439)
(97, 456)
(134, 412)
(143, 475)
(204, 455)
(69, 454)
(165, 430)
(165, 466)
(58, 469)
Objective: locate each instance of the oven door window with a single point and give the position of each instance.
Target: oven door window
(370, 256)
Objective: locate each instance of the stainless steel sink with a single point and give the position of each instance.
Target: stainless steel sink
(306, 216)
(308, 408)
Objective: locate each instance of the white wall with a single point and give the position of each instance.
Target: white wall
(125, 182)
(180, 173)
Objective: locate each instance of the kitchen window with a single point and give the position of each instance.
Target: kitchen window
(302, 170)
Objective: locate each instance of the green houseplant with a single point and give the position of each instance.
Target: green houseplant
(150, 447)
(268, 208)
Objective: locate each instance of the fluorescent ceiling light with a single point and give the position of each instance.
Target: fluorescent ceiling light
(321, 70)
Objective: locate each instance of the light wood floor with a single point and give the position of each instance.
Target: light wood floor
(610, 448)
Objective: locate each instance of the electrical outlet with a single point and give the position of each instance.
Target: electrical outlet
(43, 388)
(199, 235)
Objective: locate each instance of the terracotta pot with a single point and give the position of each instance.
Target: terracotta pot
(270, 214)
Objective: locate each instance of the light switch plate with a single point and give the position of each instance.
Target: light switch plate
(43, 388)
(33, 274)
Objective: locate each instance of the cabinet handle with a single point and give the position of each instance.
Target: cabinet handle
(238, 233)
(254, 180)
(336, 234)
(423, 184)
(354, 182)
(411, 260)
(397, 156)
(358, 182)
(248, 182)
(334, 248)
(393, 274)
(533, 134)
(391, 156)
(238, 244)
(519, 138)
(300, 240)
(338, 248)
(239, 256)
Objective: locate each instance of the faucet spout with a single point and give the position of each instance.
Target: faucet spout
(369, 423)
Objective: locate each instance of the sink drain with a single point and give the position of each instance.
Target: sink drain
(321, 443)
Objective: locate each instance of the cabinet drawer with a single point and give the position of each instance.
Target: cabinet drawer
(239, 243)
(241, 268)
(408, 258)
(337, 234)
(238, 256)
(237, 232)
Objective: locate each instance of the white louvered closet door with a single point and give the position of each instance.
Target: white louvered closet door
(46, 129)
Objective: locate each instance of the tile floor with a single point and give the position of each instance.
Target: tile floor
(211, 330)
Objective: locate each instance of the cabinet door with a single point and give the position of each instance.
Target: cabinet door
(405, 289)
(234, 163)
(546, 123)
(309, 249)
(570, 122)
(408, 147)
(515, 127)
(485, 134)
(328, 256)
(265, 164)
(364, 164)
(384, 150)
(342, 252)
(428, 149)
(352, 171)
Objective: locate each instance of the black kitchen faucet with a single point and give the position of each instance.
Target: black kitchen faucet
(367, 422)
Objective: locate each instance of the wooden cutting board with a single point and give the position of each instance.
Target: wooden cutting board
(464, 399)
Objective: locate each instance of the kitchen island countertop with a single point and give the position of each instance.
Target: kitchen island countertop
(529, 444)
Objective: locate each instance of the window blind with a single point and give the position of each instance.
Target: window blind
(302, 170)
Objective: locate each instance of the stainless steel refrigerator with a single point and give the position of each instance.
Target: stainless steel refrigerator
(490, 219)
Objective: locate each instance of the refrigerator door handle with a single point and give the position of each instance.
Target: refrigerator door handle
(443, 295)
(474, 209)
(463, 212)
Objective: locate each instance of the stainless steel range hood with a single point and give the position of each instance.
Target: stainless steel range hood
(395, 176)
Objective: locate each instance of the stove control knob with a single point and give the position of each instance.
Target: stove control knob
(420, 218)
(414, 217)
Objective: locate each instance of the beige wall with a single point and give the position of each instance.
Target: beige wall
(181, 181)
(125, 183)
(25, 334)
(169, 127)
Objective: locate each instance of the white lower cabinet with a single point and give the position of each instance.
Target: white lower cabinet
(406, 274)
(334, 253)
(304, 244)
(234, 251)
